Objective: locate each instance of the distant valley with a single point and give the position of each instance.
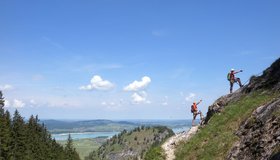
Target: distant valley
(89, 135)
(102, 125)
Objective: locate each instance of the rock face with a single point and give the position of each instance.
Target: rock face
(259, 135)
(221, 103)
(270, 79)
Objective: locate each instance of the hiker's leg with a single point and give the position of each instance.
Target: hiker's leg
(194, 116)
(231, 85)
(239, 82)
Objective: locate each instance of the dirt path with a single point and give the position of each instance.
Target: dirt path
(170, 145)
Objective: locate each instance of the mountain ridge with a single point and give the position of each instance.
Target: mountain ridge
(135, 144)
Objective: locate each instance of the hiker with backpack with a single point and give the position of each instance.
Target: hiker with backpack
(195, 112)
(232, 79)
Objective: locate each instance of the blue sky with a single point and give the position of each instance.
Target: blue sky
(130, 59)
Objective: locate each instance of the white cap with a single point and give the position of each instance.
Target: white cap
(232, 69)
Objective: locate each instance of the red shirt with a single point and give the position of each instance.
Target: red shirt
(194, 107)
(232, 77)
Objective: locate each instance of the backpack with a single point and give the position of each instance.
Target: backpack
(228, 76)
(192, 109)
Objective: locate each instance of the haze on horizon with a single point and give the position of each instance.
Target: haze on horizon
(126, 59)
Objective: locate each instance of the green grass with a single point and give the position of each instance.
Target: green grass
(85, 146)
(155, 153)
(138, 141)
(216, 139)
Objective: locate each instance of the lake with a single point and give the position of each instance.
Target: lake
(84, 135)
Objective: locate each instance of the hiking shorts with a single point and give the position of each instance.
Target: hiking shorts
(234, 80)
(195, 113)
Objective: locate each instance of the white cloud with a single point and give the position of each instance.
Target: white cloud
(108, 103)
(140, 97)
(7, 103)
(6, 87)
(87, 87)
(32, 101)
(18, 103)
(190, 97)
(113, 106)
(136, 98)
(14, 104)
(118, 103)
(138, 85)
(164, 103)
(98, 83)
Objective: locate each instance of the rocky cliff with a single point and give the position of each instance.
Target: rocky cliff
(269, 80)
(259, 134)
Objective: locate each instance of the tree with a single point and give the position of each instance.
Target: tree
(5, 131)
(19, 137)
(1, 100)
(31, 140)
(71, 153)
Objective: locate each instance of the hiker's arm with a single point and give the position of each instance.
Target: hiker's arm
(238, 71)
(198, 102)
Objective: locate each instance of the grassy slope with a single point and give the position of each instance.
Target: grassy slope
(155, 153)
(85, 146)
(137, 140)
(217, 138)
(134, 140)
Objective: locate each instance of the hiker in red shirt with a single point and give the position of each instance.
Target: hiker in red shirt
(195, 111)
(232, 79)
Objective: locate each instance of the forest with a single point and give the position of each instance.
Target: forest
(20, 139)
